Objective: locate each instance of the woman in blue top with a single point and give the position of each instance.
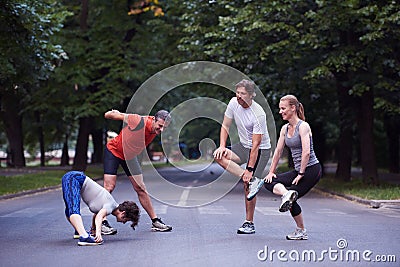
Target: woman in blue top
(291, 185)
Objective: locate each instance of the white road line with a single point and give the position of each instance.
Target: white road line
(270, 211)
(184, 197)
(331, 212)
(386, 212)
(213, 210)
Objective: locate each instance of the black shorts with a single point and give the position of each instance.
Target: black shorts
(111, 164)
(311, 177)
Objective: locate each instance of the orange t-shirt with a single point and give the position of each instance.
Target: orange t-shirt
(133, 138)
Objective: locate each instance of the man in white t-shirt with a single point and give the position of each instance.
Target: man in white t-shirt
(253, 149)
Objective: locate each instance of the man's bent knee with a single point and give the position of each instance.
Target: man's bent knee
(223, 162)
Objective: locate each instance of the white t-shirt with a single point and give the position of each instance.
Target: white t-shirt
(96, 197)
(249, 121)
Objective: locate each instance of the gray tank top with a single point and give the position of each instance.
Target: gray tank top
(294, 144)
(96, 197)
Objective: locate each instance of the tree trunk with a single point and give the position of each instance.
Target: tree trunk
(65, 156)
(97, 139)
(84, 15)
(40, 138)
(393, 137)
(82, 144)
(345, 144)
(85, 126)
(12, 119)
(366, 133)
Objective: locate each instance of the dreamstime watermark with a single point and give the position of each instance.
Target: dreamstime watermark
(338, 254)
(162, 83)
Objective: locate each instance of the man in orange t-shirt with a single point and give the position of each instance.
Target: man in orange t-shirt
(137, 133)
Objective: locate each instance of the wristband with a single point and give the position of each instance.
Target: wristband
(301, 173)
(250, 169)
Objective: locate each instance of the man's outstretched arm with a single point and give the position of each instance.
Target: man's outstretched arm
(115, 115)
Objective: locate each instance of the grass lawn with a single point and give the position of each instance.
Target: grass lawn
(29, 181)
(355, 187)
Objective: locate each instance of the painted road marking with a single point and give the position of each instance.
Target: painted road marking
(270, 211)
(213, 210)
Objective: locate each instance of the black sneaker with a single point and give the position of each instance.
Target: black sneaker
(106, 229)
(159, 226)
(247, 228)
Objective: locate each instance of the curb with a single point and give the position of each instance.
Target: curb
(373, 203)
(35, 191)
(29, 192)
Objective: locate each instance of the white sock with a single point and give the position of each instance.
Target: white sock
(85, 235)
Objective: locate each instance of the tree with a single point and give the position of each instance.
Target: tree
(357, 40)
(27, 56)
(108, 61)
(263, 40)
(307, 47)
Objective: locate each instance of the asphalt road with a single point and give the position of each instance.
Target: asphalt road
(34, 231)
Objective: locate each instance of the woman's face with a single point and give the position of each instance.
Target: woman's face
(286, 110)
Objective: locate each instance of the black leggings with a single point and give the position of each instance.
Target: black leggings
(311, 177)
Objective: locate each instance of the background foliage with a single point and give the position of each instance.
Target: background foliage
(64, 63)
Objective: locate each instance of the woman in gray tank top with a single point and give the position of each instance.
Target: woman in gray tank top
(291, 185)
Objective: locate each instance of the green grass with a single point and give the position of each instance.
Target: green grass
(355, 187)
(17, 183)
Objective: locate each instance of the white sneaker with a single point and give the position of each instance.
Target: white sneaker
(287, 200)
(247, 228)
(160, 226)
(298, 234)
(255, 185)
(107, 229)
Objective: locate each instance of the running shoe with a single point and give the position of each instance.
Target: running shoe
(76, 234)
(298, 234)
(88, 241)
(159, 226)
(287, 200)
(106, 229)
(247, 228)
(255, 185)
